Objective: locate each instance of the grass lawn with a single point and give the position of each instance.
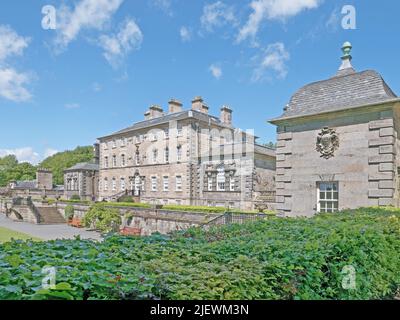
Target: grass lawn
(7, 234)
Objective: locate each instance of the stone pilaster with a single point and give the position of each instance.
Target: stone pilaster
(381, 162)
(284, 172)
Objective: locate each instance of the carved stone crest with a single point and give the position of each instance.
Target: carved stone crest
(327, 142)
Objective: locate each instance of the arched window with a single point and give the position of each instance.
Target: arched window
(105, 184)
(123, 160)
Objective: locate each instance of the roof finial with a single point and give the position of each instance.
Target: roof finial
(346, 58)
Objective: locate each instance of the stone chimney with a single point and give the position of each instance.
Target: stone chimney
(226, 115)
(44, 179)
(174, 106)
(199, 105)
(154, 111)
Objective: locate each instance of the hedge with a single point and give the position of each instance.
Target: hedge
(276, 258)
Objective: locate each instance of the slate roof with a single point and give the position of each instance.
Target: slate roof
(344, 91)
(170, 117)
(84, 166)
(25, 184)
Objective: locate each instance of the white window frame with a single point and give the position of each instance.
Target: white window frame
(178, 183)
(232, 184)
(106, 162)
(122, 184)
(210, 184)
(153, 180)
(165, 183)
(221, 180)
(114, 184)
(105, 186)
(328, 197)
(123, 160)
(179, 153)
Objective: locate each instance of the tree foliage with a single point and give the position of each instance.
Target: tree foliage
(64, 160)
(11, 170)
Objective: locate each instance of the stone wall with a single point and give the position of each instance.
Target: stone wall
(363, 165)
(151, 220)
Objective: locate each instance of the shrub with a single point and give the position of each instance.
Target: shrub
(69, 212)
(127, 204)
(277, 258)
(126, 199)
(75, 197)
(102, 218)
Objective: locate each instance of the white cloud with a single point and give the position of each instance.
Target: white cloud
(333, 21)
(217, 15)
(12, 82)
(273, 58)
(117, 47)
(11, 43)
(164, 5)
(26, 154)
(72, 106)
(12, 85)
(185, 33)
(87, 14)
(49, 152)
(273, 10)
(216, 71)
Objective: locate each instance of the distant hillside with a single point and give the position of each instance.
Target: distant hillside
(63, 160)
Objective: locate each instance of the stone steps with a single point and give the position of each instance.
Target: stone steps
(50, 215)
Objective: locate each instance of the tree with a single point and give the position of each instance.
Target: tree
(270, 145)
(64, 160)
(11, 170)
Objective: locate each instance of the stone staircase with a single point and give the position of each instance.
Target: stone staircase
(50, 215)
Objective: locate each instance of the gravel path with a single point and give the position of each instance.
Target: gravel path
(48, 232)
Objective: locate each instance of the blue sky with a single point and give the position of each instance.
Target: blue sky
(107, 61)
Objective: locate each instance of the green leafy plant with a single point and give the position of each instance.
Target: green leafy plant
(69, 212)
(276, 258)
(75, 197)
(102, 218)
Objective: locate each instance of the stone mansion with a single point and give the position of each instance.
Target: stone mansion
(337, 148)
(186, 157)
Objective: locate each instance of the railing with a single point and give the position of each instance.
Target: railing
(133, 193)
(240, 218)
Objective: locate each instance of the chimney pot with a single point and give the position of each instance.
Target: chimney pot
(199, 105)
(174, 106)
(226, 115)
